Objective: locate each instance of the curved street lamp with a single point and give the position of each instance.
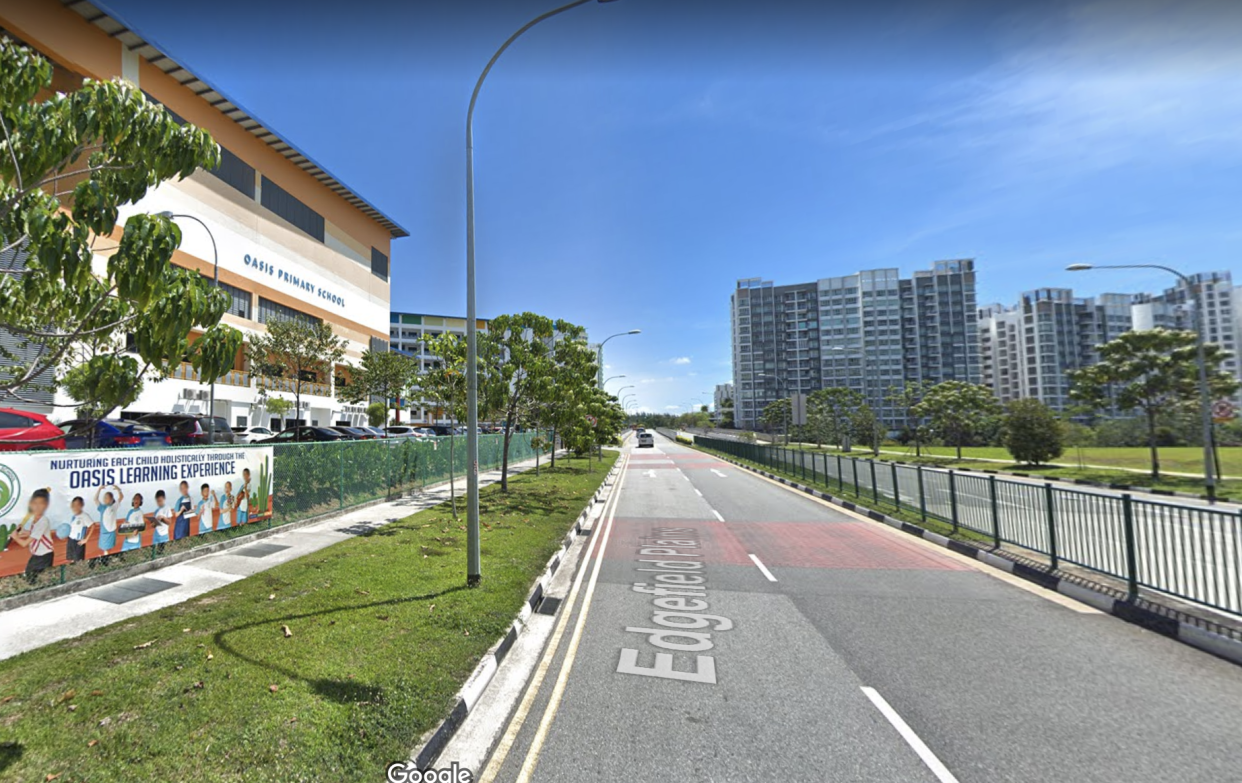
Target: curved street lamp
(473, 568)
(611, 378)
(1205, 393)
(599, 355)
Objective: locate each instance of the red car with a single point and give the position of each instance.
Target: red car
(26, 431)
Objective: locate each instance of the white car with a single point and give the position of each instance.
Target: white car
(251, 434)
(645, 440)
(401, 431)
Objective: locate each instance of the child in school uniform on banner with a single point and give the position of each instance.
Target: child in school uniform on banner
(183, 507)
(243, 498)
(109, 508)
(227, 501)
(80, 524)
(206, 508)
(135, 523)
(35, 533)
(163, 516)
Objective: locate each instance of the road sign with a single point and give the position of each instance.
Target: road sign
(1223, 411)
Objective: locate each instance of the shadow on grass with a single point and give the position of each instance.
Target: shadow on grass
(342, 691)
(10, 753)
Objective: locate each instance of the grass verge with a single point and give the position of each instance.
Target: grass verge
(381, 635)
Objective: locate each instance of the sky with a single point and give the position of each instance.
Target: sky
(634, 159)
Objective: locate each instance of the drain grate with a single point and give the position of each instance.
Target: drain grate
(129, 590)
(549, 605)
(260, 550)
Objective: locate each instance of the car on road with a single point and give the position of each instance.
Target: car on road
(113, 434)
(645, 440)
(306, 434)
(191, 429)
(28, 431)
(400, 431)
(251, 434)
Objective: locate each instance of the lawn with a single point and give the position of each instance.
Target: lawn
(381, 634)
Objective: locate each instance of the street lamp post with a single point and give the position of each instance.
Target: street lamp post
(611, 378)
(215, 281)
(1205, 394)
(473, 567)
(599, 359)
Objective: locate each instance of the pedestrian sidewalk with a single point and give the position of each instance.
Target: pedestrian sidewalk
(41, 623)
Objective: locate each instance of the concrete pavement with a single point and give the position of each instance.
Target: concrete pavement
(802, 643)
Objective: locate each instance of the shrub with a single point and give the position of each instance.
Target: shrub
(1032, 433)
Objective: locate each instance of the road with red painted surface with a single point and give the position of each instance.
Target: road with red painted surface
(731, 629)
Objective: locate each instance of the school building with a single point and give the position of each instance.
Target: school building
(291, 239)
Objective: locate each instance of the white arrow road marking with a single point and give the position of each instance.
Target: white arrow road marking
(650, 474)
(718, 473)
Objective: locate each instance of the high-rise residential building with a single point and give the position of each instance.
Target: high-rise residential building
(868, 331)
(1029, 350)
(723, 393)
(410, 333)
(1174, 309)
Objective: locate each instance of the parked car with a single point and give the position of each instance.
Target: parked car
(424, 432)
(399, 431)
(191, 429)
(27, 431)
(352, 433)
(113, 434)
(305, 434)
(376, 432)
(251, 434)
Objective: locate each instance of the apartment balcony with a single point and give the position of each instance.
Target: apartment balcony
(289, 386)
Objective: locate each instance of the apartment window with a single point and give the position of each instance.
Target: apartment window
(289, 207)
(269, 311)
(379, 264)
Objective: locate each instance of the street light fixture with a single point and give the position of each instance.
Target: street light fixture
(215, 281)
(612, 378)
(599, 359)
(473, 567)
(1205, 393)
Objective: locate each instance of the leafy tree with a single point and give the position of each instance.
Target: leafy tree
(521, 364)
(1032, 432)
(829, 413)
(567, 392)
(726, 414)
(277, 406)
(68, 162)
(445, 385)
(294, 354)
(377, 414)
(1151, 371)
(383, 374)
(776, 414)
(864, 427)
(907, 398)
(959, 412)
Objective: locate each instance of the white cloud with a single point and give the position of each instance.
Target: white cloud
(672, 407)
(655, 380)
(680, 360)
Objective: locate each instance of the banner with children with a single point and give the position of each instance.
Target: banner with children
(60, 508)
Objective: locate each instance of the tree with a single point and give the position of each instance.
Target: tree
(726, 414)
(68, 162)
(383, 374)
(775, 414)
(863, 427)
(563, 398)
(377, 414)
(294, 354)
(959, 411)
(277, 406)
(445, 385)
(907, 398)
(1032, 433)
(1153, 371)
(521, 364)
(829, 413)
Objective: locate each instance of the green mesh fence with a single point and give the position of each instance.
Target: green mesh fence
(307, 479)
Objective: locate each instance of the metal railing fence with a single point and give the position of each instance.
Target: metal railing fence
(1187, 551)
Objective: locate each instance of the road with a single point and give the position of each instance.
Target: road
(818, 646)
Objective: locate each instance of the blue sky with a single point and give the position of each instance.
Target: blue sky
(634, 159)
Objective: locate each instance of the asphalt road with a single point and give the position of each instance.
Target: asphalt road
(817, 646)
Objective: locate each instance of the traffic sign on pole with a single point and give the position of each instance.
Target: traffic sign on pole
(1223, 411)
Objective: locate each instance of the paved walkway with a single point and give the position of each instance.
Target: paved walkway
(35, 625)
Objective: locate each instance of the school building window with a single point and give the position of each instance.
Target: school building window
(379, 264)
(235, 172)
(283, 203)
(241, 300)
(269, 310)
